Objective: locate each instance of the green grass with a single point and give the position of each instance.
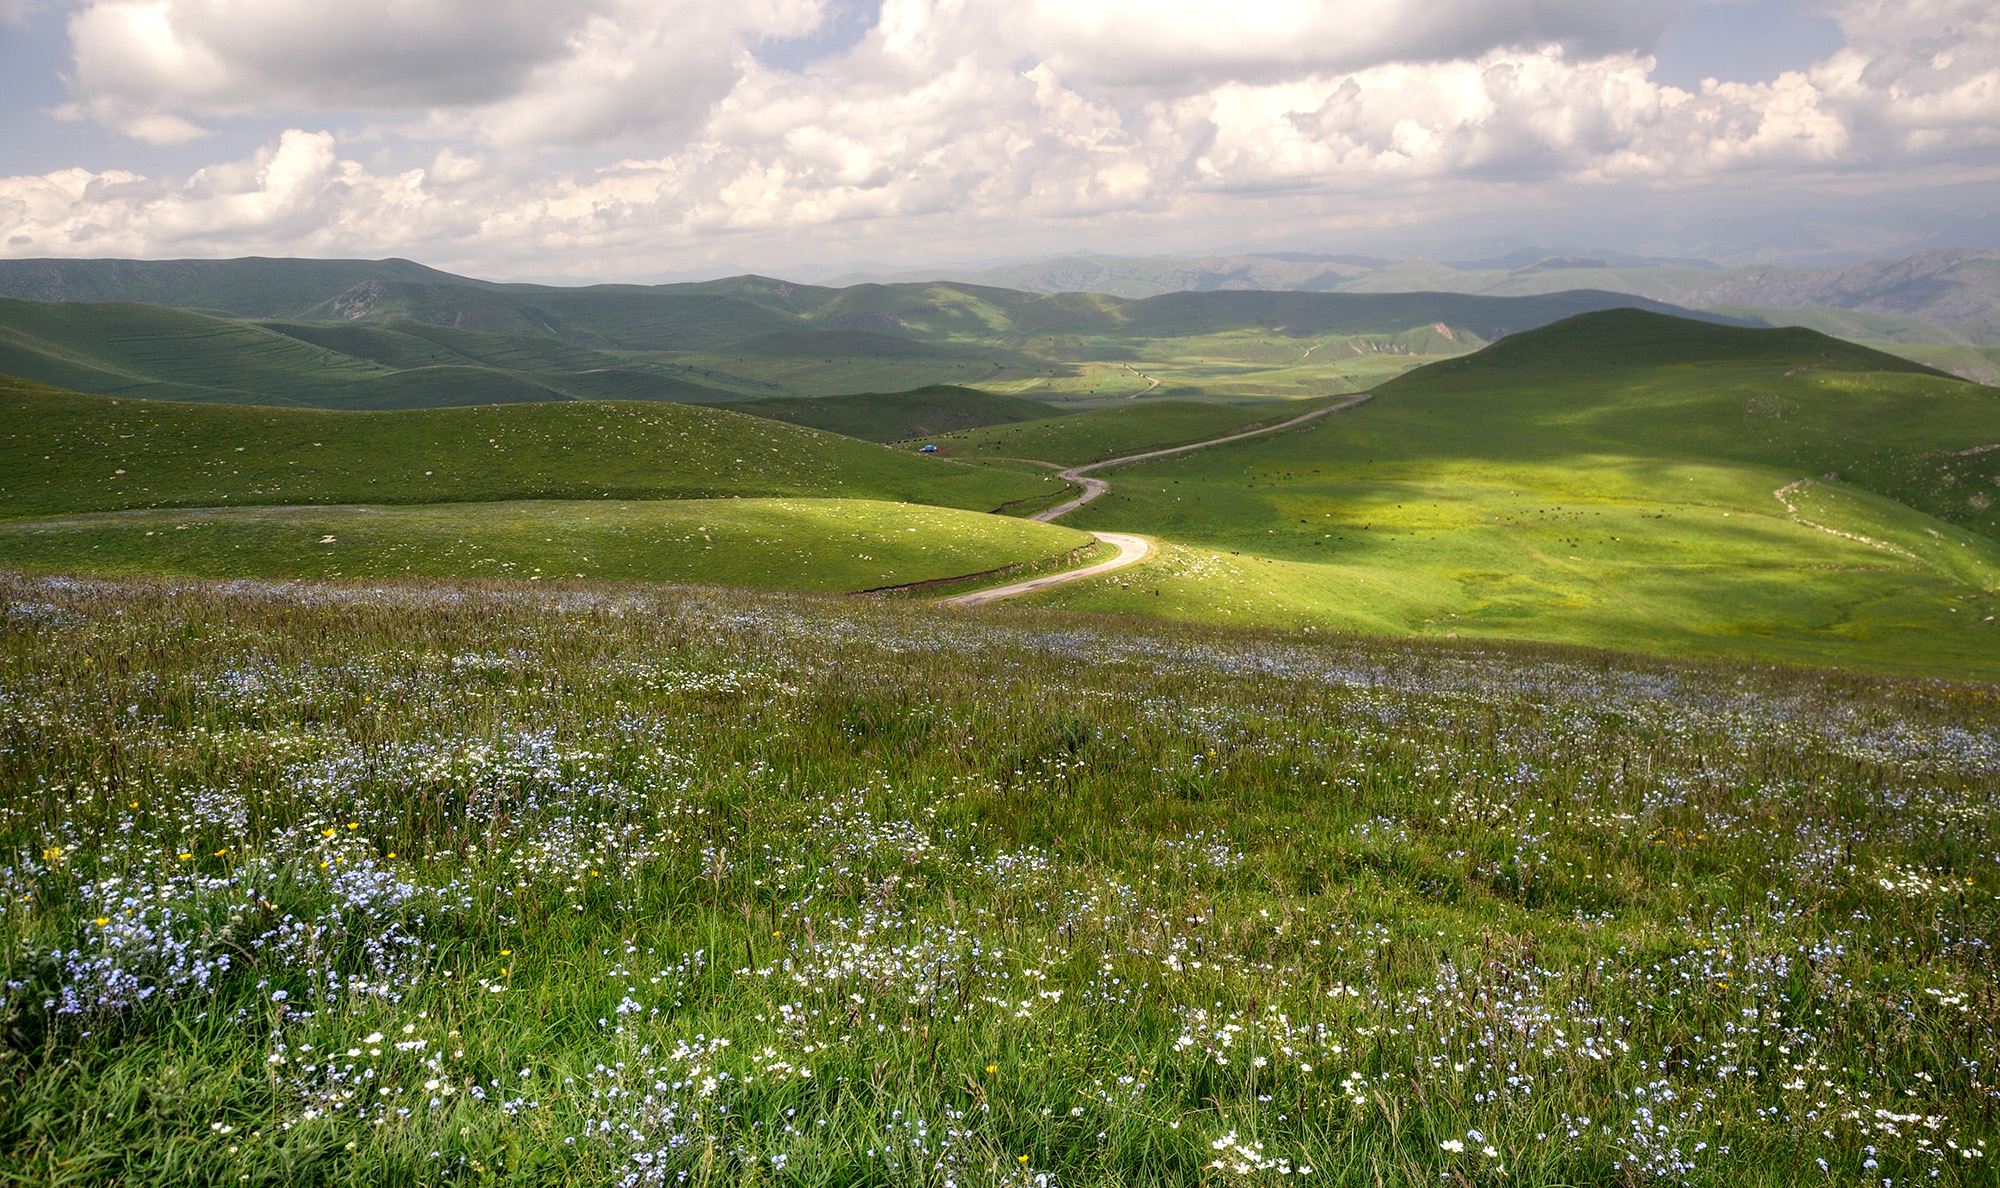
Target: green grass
(897, 416)
(394, 883)
(144, 350)
(150, 352)
(1614, 480)
(832, 363)
(830, 545)
(1117, 431)
(62, 453)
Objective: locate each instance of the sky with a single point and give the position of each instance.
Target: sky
(586, 140)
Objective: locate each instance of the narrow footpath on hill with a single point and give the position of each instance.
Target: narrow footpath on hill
(1132, 549)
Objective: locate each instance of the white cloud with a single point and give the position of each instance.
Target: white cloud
(1165, 43)
(955, 120)
(297, 193)
(537, 73)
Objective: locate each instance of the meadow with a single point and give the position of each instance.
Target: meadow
(901, 416)
(1618, 480)
(340, 883)
(823, 545)
(1118, 430)
(63, 453)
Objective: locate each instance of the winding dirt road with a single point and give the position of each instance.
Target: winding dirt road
(1132, 549)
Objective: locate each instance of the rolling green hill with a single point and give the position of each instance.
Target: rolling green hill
(1619, 479)
(251, 287)
(823, 545)
(749, 337)
(1622, 380)
(65, 453)
(156, 353)
(898, 416)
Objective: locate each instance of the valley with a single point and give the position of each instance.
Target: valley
(931, 734)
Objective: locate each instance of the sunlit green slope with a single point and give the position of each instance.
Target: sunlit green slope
(827, 545)
(1618, 479)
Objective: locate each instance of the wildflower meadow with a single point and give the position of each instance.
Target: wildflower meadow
(496, 884)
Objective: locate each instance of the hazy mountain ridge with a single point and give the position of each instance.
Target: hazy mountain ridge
(1950, 286)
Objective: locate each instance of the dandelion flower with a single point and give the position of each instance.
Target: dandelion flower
(103, 920)
(992, 1068)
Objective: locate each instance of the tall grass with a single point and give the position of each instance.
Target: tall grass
(496, 884)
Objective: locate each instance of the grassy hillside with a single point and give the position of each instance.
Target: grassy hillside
(1968, 350)
(252, 287)
(1647, 495)
(155, 353)
(838, 362)
(501, 884)
(896, 416)
(61, 452)
(1791, 398)
(830, 545)
(145, 350)
(612, 317)
(1117, 431)
(745, 336)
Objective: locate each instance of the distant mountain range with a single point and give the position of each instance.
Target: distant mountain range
(710, 314)
(1948, 286)
(393, 334)
(1940, 307)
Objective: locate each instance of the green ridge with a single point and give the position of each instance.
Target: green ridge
(62, 452)
(824, 545)
(1613, 480)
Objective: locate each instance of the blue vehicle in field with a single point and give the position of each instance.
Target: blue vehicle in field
(929, 449)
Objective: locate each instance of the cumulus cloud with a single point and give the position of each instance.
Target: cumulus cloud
(1169, 43)
(536, 72)
(1918, 77)
(954, 120)
(297, 192)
